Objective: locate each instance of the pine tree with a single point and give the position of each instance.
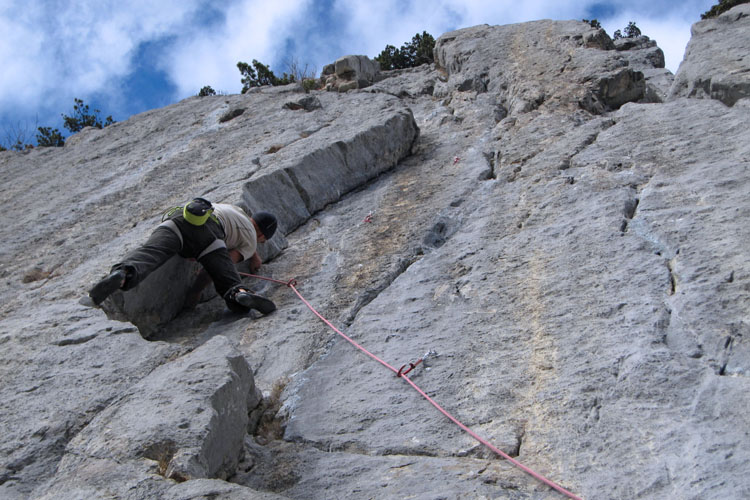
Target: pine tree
(83, 118)
(259, 74)
(415, 53)
(48, 137)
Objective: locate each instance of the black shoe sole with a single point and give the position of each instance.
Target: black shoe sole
(107, 287)
(252, 301)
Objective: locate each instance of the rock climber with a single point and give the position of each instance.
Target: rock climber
(217, 236)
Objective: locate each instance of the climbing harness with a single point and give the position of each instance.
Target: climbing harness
(401, 373)
(195, 213)
(169, 213)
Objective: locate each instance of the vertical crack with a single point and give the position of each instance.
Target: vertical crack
(672, 274)
(672, 282)
(492, 159)
(372, 293)
(300, 190)
(629, 211)
(728, 343)
(515, 452)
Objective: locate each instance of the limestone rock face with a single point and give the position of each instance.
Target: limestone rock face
(569, 246)
(154, 430)
(716, 59)
(641, 51)
(351, 72)
(527, 65)
(356, 140)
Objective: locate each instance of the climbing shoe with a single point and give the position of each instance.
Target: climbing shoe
(252, 301)
(107, 286)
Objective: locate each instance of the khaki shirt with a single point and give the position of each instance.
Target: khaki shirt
(238, 228)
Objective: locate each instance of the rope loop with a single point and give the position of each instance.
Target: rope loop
(401, 371)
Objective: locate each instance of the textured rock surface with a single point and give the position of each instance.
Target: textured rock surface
(64, 363)
(61, 365)
(350, 72)
(571, 248)
(305, 174)
(717, 59)
(526, 65)
(157, 428)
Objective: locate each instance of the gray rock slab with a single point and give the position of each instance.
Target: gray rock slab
(101, 478)
(60, 367)
(356, 67)
(353, 149)
(186, 420)
(563, 313)
(209, 489)
(550, 63)
(641, 52)
(716, 59)
(410, 82)
(353, 475)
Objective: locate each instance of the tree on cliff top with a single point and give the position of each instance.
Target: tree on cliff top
(721, 7)
(412, 54)
(83, 118)
(631, 31)
(47, 137)
(258, 74)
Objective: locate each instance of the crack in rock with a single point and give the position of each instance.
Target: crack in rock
(492, 159)
(629, 211)
(372, 293)
(435, 238)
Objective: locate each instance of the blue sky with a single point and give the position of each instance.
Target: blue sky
(128, 56)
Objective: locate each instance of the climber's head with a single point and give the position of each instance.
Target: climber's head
(266, 223)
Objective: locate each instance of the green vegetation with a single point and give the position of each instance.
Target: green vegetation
(303, 74)
(415, 53)
(47, 137)
(298, 72)
(721, 7)
(593, 23)
(631, 31)
(309, 84)
(206, 91)
(258, 74)
(18, 145)
(83, 118)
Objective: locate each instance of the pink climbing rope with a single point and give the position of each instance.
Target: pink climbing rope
(402, 374)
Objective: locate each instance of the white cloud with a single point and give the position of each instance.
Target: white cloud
(18, 48)
(53, 51)
(672, 37)
(253, 30)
